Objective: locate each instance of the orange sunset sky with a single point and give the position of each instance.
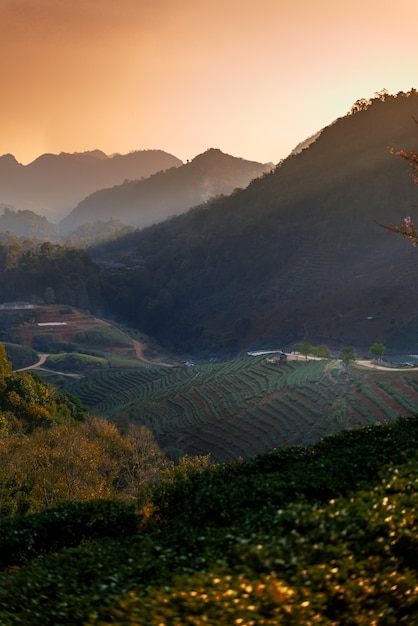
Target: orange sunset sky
(251, 78)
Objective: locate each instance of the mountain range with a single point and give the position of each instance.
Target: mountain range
(166, 193)
(54, 183)
(295, 256)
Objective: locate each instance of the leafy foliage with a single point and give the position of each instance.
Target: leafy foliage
(27, 403)
(20, 356)
(74, 461)
(29, 273)
(377, 350)
(67, 524)
(408, 229)
(75, 362)
(102, 336)
(347, 355)
(305, 535)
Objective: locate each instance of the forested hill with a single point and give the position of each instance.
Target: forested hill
(25, 223)
(145, 202)
(295, 255)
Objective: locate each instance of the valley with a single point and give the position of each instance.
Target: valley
(158, 463)
(269, 259)
(208, 313)
(232, 409)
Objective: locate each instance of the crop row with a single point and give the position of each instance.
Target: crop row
(208, 407)
(322, 394)
(273, 416)
(306, 372)
(109, 388)
(407, 403)
(360, 409)
(93, 388)
(248, 402)
(310, 406)
(222, 448)
(316, 396)
(381, 405)
(295, 411)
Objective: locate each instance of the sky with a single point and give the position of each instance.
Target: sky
(252, 78)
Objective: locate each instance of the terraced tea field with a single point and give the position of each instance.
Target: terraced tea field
(248, 406)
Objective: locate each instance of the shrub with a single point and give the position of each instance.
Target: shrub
(20, 356)
(75, 362)
(102, 336)
(65, 525)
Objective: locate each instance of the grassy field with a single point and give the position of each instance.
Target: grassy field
(247, 406)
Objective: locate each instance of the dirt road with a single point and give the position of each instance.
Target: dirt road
(39, 363)
(139, 351)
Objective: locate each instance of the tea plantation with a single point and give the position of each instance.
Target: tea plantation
(249, 405)
(323, 534)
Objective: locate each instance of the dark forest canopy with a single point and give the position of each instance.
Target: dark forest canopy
(30, 272)
(297, 252)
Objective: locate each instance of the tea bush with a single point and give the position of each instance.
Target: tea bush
(68, 524)
(320, 535)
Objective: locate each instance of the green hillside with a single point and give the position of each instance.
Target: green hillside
(249, 405)
(316, 535)
(98, 527)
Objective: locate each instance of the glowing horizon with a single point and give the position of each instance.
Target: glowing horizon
(251, 80)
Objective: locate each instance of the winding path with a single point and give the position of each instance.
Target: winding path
(38, 364)
(139, 351)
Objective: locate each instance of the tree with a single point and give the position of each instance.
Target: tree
(377, 350)
(337, 414)
(142, 463)
(347, 355)
(304, 348)
(321, 351)
(5, 365)
(408, 229)
(49, 296)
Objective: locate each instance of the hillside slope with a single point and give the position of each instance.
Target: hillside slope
(296, 255)
(25, 223)
(319, 535)
(249, 405)
(144, 202)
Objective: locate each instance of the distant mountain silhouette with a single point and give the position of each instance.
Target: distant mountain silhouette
(54, 183)
(25, 223)
(294, 256)
(174, 191)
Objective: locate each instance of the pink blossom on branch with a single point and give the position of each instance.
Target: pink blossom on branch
(411, 157)
(407, 229)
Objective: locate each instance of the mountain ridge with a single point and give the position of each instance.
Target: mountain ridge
(143, 202)
(52, 184)
(296, 255)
